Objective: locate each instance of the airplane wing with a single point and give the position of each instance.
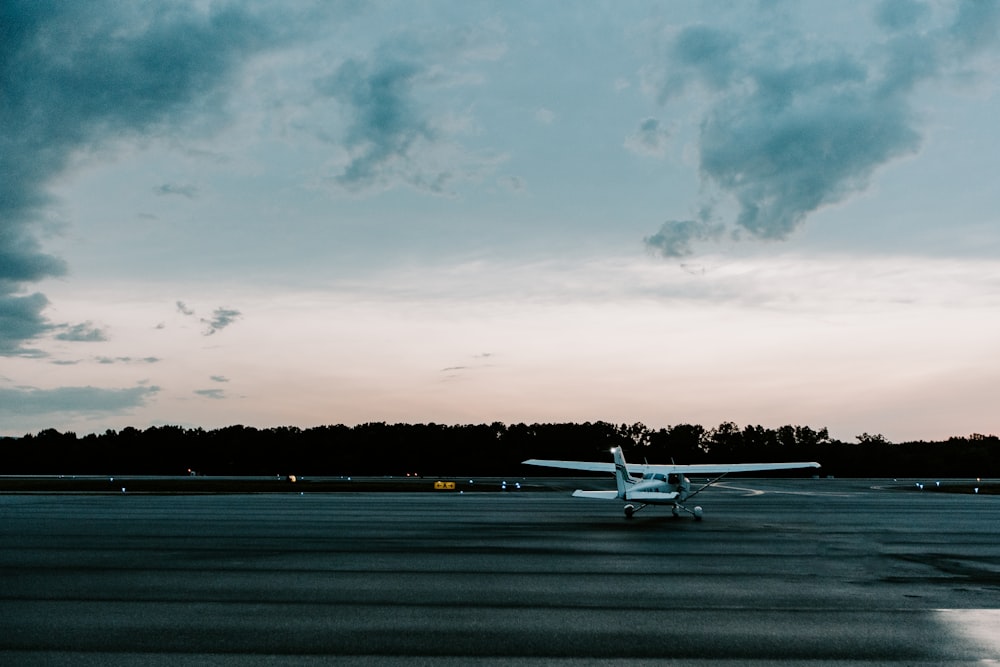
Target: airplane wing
(600, 495)
(694, 469)
(718, 468)
(591, 466)
(652, 497)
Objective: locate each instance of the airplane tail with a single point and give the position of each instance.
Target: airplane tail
(622, 478)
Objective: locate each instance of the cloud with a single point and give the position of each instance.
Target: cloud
(676, 236)
(218, 378)
(394, 134)
(386, 125)
(215, 394)
(782, 161)
(975, 27)
(704, 54)
(85, 332)
(785, 136)
(31, 401)
(221, 318)
(514, 183)
(545, 116)
(650, 139)
(80, 75)
(21, 320)
(174, 189)
(127, 360)
(900, 14)
(454, 371)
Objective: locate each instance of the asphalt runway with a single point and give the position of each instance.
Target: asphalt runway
(824, 572)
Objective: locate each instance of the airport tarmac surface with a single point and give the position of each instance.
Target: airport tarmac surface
(825, 572)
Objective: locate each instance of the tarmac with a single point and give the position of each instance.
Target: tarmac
(803, 572)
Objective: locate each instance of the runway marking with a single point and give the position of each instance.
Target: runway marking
(760, 492)
(750, 492)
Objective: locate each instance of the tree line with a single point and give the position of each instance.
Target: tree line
(478, 449)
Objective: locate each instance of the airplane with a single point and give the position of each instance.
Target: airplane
(659, 484)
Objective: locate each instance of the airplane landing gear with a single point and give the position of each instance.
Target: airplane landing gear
(697, 512)
(631, 509)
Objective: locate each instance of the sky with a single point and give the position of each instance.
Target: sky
(306, 213)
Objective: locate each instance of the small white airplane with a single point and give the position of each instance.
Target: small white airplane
(659, 484)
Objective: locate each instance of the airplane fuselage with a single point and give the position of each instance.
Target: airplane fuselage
(673, 486)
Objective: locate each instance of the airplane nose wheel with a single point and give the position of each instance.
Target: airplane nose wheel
(629, 511)
(696, 512)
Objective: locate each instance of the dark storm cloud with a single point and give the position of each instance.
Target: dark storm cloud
(75, 75)
(706, 54)
(782, 161)
(29, 401)
(385, 123)
(786, 139)
(396, 131)
(21, 258)
(21, 319)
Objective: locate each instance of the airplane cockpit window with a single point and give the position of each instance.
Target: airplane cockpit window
(673, 478)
